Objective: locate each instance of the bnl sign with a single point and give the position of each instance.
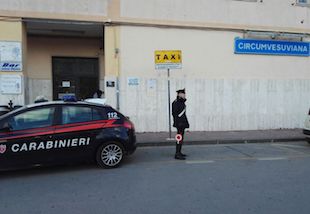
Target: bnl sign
(271, 47)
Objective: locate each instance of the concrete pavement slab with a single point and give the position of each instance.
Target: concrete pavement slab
(223, 137)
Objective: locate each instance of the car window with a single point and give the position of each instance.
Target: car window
(98, 115)
(37, 118)
(78, 114)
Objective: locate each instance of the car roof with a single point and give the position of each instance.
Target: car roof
(60, 102)
(48, 103)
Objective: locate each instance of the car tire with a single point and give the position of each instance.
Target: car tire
(110, 154)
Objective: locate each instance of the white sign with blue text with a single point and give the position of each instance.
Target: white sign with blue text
(271, 47)
(133, 81)
(10, 56)
(10, 84)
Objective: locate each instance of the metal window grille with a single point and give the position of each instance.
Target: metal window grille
(247, 0)
(303, 1)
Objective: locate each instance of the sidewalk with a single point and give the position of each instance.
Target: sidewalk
(222, 137)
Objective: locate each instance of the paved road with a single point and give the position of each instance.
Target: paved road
(235, 178)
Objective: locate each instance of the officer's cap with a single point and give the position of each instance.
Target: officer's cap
(181, 91)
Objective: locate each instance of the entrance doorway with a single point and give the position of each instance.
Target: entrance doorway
(75, 76)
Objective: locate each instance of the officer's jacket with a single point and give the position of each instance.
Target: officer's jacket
(179, 113)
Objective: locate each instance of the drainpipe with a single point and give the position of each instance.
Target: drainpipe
(116, 45)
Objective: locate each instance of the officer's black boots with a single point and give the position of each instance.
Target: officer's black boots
(177, 149)
(184, 155)
(179, 157)
(178, 154)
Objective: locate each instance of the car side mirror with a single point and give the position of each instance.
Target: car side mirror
(6, 128)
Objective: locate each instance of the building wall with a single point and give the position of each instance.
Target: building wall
(112, 62)
(225, 91)
(60, 9)
(40, 53)
(276, 15)
(13, 30)
(268, 14)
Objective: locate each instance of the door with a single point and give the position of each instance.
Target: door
(26, 140)
(75, 76)
(77, 133)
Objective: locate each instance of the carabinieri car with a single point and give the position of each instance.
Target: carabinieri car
(60, 132)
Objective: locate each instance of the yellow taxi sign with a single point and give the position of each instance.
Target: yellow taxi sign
(168, 59)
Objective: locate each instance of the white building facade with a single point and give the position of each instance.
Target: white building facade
(225, 90)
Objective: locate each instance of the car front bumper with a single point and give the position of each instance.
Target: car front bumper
(307, 134)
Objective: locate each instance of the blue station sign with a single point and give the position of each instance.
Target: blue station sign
(271, 47)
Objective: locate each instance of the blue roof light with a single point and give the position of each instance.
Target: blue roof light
(69, 98)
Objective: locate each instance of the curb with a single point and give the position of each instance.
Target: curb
(216, 142)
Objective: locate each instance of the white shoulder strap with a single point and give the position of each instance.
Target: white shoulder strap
(183, 112)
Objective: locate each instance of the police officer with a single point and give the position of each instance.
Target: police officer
(98, 94)
(180, 120)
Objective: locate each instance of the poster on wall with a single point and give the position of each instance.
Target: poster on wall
(11, 84)
(133, 81)
(151, 83)
(66, 84)
(10, 56)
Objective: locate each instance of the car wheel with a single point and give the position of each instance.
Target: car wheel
(110, 155)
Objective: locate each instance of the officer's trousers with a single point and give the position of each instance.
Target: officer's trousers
(179, 145)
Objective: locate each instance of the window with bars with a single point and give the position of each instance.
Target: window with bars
(303, 2)
(247, 0)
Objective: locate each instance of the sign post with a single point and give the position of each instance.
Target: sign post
(169, 106)
(167, 60)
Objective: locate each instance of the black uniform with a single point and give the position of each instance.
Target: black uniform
(179, 120)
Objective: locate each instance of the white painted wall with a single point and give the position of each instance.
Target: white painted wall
(39, 87)
(269, 13)
(74, 7)
(225, 91)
